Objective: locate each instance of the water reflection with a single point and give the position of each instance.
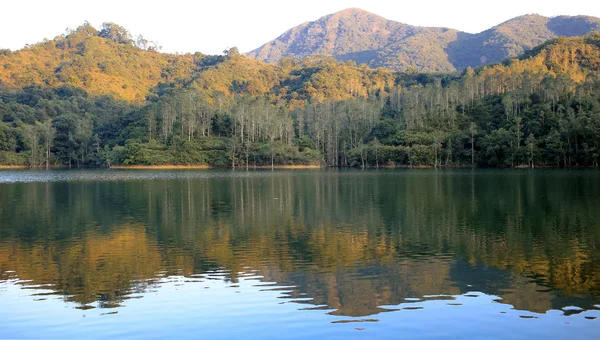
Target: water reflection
(348, 243)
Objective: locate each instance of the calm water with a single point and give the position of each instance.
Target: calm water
(298, 254)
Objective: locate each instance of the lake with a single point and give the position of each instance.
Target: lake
(411, 253)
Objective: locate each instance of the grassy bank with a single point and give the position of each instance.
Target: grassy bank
(13, 167)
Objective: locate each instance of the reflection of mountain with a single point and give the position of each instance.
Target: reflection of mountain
(350, 240)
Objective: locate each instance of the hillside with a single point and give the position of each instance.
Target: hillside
(100, 65)
(354, 34)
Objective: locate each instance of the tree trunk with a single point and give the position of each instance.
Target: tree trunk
(472, 151)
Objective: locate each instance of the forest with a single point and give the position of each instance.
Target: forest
(102, 98)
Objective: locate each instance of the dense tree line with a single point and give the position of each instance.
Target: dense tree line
(541, 109)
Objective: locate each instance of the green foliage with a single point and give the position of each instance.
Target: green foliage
(12, 158)
(542, 110)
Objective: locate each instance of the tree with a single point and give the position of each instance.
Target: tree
(473, 130)
(48, 133)
(83, 135)
(231, 53)
(65, 144)
(233, 149)
(145, 44)
(518, 136)
(437, 146)
(376, 145)
(532, 148)
(116, 33)
(32, 134)
(554, 147)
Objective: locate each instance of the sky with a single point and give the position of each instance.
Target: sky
(213, 26)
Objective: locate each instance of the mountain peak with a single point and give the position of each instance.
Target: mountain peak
(352, 11)
(353, 14)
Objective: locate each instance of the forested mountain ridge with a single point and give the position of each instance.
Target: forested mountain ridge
(542, 108)
(354, 34)
(101, 62)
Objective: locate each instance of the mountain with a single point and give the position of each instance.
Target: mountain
(514, 37)
(355, 34)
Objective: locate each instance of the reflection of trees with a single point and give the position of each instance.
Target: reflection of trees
(350, 240)
(104, 267)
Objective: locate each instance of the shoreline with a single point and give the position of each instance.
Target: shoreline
(160, 167)
(38, 167)
(291, 167)
(204, 166)
(282, 167)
